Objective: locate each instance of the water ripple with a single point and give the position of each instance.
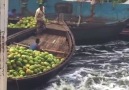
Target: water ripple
(95, 67)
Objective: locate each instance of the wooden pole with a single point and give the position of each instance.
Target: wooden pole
(3, 38)
(80, 7)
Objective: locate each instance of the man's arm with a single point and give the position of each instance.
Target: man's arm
(43, 13)
(43, 9)
(37, 15)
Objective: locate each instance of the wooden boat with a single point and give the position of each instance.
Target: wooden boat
(56, 39)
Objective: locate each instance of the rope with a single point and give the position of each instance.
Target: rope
(79, 19)
(17, 85)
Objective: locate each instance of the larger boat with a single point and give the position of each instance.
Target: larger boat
(107, 22)
(108, 19)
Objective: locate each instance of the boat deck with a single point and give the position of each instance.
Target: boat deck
(55, 26)
(53, 41)
(50, 43)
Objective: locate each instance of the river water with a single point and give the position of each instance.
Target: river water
(95, 67)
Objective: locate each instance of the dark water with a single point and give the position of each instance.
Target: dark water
(95, 67)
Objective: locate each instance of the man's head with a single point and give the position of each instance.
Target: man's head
(13, 10)
(37, 40)
(41, 7)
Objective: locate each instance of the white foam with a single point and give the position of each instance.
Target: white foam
(88, 82)
(108, 76)
(127, 2)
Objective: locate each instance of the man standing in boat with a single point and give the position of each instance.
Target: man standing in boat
(40, 19)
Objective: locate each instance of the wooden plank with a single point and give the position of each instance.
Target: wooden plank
(62, 45)
(52, 41)
(53, 51)
(56, 44)
(48, 42)
(53, 44)
(43, 39)
(62, 40)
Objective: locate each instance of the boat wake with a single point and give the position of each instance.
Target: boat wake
(91, 82)
(98, 67)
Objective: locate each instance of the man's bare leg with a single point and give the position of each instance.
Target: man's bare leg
(92, 10)
(37, 33)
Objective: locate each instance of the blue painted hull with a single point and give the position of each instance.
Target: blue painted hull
(115, 14)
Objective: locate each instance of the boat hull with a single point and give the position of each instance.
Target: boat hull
(96, 33)
(11, 31)
(13, 20)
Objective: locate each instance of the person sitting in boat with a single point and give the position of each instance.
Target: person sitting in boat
(12, 13)
(35, 46)
(40, 19)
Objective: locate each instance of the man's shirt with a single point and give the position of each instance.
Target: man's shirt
(34, 47)
(40, 15)
(10, 14)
